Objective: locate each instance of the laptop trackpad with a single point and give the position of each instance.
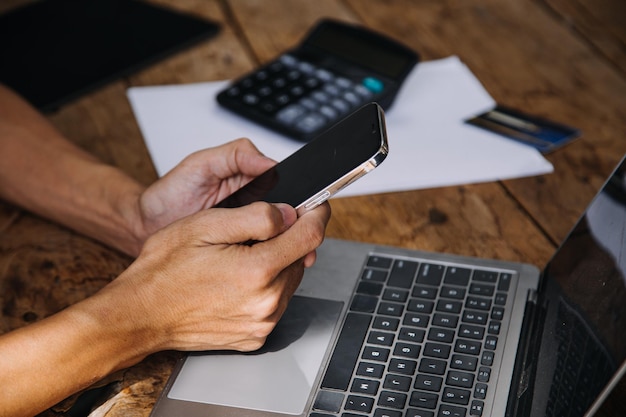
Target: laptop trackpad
(279, 377)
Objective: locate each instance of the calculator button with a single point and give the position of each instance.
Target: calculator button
(340, 105)
(344, 83)
(288, 60)
(250, 99)
(264, 91)
(324, 75)
(332, 89)
(306, 67)
(329, 112)
(362, 91)
(373, 84)
(320, 96)
(351, 98)
(290, 113)
(310, 122)
(309, 103)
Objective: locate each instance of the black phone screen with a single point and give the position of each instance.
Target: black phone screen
(319, 163)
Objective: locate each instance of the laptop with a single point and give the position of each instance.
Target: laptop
(54, 51)
(389, 332)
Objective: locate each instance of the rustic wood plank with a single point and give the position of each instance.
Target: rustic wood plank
(534, 63)
(600, 22)
(268, 32)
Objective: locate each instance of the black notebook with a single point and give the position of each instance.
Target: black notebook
(54, 51)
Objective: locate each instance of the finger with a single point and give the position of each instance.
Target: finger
(258, 221)
(240, 157)
(302, 238)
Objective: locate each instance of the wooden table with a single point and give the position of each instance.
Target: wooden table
(563, 59)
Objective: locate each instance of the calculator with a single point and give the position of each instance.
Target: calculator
(335, 70)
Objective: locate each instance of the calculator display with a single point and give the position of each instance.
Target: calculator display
(350, 46)
(335, 70)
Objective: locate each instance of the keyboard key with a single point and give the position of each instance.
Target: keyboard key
(477, 408)
(497, 313)
(407, 350)
(474, 317)
(346, 353)
(364, 303)
(370, 288)
(487, 358)
(451, 411)
(397, 383)
(374, 275)
(413, 412)
(390, 309)
(445, 320)
(432, 366)
(457, 276)
(358, 403)
(494, 327)
(379, 261)
(374, 370)
(452, 292)
(379, 412)
(437, 350)
(456, 396)
(448, 306)
(412, 335)
(500, 299)
(430, 274)
(480, 391)
(380, 338)
(328, 401)
(376, 354)
(392, 399)
(402, 274)
(385, 323)
(365, 386)
(420, 306)
(484, 373)
(491, 342)
(478, 303)
(460, 379)
(440, 335)
(421, 291)
(415, 319)
(485, 290)
(467, 346)
(424, 399)
(485, 276)
(465, 363)
(471, 332)
(428, 382)
(505, 281)
(393, 294)
(402, 366)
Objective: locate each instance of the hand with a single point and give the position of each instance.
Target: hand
(200, 181)
(196, 287)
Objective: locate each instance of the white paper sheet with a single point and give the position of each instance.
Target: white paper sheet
(430, 146)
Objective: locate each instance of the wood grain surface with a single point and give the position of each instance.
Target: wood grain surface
(562, 59)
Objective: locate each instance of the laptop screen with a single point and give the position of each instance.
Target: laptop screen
(583, 308)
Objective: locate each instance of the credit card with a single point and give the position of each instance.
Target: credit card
(545, 135)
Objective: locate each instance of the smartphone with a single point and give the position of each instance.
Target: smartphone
(318, 170)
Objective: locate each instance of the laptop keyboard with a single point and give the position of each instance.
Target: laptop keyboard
(419, 340)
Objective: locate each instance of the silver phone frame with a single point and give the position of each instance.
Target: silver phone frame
(358, 172)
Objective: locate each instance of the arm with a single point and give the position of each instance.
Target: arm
(46, 174)
(193, 287)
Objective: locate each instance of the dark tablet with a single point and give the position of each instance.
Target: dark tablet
(53, 51)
